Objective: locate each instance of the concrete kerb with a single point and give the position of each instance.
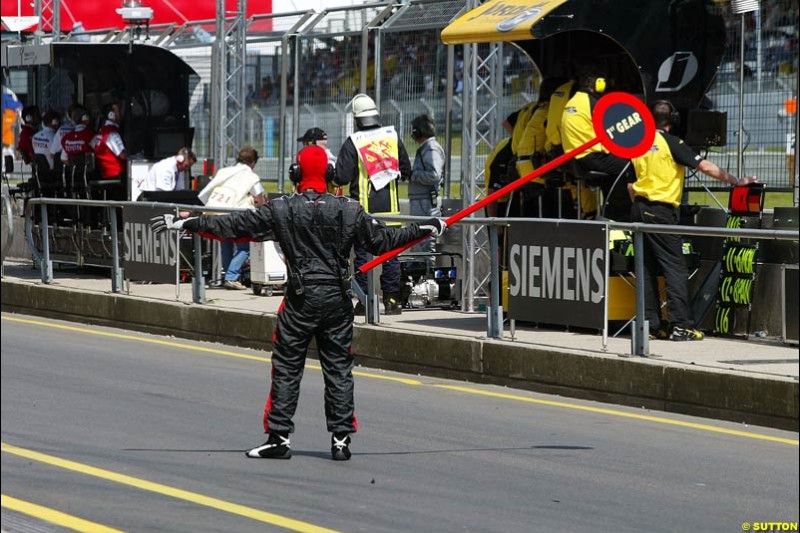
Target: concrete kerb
(629, 381)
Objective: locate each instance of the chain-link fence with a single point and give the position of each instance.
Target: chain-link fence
(769, 93)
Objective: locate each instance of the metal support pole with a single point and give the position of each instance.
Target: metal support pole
(641, 333)
(448, 120)
(796, 186)
(198, 280)
(283, 102)
(116, 272)
(372, 310)
(364, 63)
(378, 65)
(295, 96)
(740, 140)
(46, 265)
(495, 311)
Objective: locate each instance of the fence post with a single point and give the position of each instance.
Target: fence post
(198, 280)
(495, 311)
(116, 277)
(640, 338)
(372, 311)
(46, 266)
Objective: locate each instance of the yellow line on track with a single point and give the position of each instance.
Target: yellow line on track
(135, 338)
(165, 490)
(184, 346)
(414, 382)
(623, 414)
(54, 517)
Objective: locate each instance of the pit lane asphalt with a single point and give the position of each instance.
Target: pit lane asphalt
(431, 455)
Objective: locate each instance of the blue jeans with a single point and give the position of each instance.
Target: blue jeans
(232, 262)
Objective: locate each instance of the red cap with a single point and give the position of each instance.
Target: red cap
(313, 163)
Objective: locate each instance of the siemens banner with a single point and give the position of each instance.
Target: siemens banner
(557, 273)
(148, 257)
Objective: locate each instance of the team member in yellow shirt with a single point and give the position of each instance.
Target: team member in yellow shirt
(530, 150)
(656, 196)
(577, 129)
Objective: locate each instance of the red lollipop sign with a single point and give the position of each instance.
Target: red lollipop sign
(623, 125)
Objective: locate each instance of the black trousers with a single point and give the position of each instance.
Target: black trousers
(664, 251)
(550, 199)
(618, 202)
(324, 313)
(390, 275)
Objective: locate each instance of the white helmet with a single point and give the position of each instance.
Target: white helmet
(363, 106)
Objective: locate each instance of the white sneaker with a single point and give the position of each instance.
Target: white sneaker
(234, 285)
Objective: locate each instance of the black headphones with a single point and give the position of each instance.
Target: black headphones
(296, 173)
(674, 114)
(423, 126)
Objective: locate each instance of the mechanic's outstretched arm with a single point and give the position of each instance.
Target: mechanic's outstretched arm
(255, 225)
(378, 238)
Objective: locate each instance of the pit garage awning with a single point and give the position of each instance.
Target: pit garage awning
(498, 20)
(658, 49)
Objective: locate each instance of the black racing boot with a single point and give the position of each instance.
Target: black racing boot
(340, 446)
(276, 447)
(360, 309)
(391, 303)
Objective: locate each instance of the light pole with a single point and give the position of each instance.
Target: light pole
(741, 7)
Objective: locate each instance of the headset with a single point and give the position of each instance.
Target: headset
(423, 126)
(184, 154)
(600, 85)
(296, 173)
(674, 114)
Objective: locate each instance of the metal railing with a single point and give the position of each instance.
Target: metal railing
(494, 324)
(8, 211)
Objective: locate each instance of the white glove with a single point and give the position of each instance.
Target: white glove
(435, 226)
(167, 222)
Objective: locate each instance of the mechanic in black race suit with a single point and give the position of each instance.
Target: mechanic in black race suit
(317, 232)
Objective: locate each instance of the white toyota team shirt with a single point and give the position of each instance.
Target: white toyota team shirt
(41, 144)
(55, 144)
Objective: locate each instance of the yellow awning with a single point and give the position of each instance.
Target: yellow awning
(498, 20)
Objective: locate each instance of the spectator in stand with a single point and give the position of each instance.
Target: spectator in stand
(251, 95)
(267, 87)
